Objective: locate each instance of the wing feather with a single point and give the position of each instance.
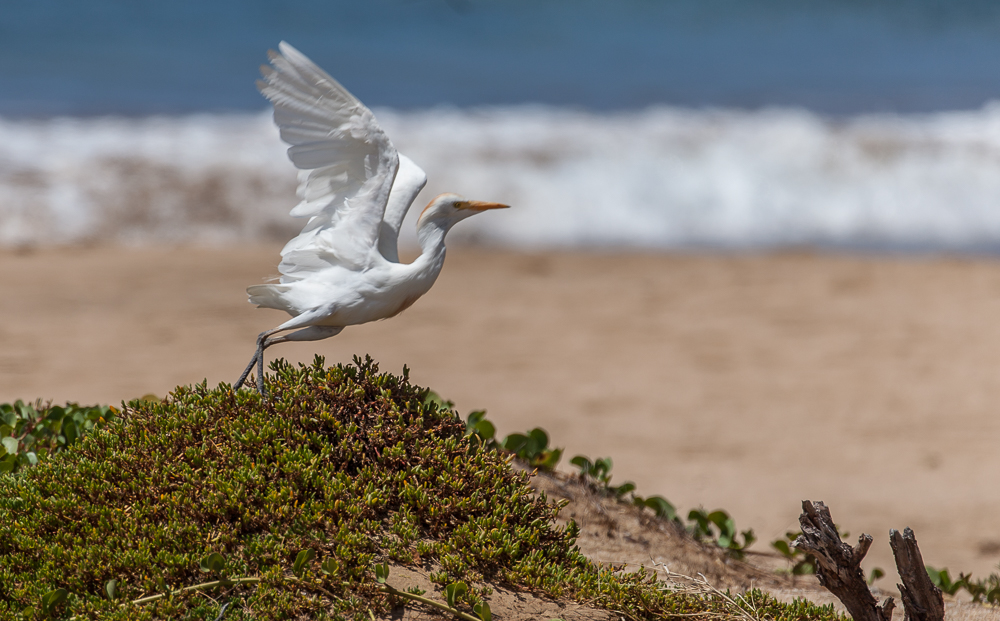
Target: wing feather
(318, 155)
(347, 165)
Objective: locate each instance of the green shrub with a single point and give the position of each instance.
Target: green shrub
(532, 447)
(31, 432)
(983, 590)
(719, 528)
(214, 502)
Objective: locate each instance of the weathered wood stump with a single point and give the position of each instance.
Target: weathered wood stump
(838, 565)
(922, 601)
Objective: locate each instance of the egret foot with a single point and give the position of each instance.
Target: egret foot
(246, 373)
(262, 343)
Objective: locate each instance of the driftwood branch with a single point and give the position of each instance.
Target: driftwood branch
(838, 565)
(921, 599)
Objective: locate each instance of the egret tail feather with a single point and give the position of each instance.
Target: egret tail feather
(269, 296)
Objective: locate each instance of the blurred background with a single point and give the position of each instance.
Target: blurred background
(752, 254)
(651, 123)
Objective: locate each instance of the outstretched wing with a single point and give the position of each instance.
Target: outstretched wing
(410, 179)
(347, 165)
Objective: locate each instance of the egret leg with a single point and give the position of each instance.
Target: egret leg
(261, 346)
(312, 333)
(258, 355)
(246, 372)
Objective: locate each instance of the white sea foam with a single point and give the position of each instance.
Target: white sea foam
(661, 178)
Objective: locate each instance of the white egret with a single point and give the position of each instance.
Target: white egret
(343, 269)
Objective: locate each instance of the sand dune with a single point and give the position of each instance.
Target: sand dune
(741, 382)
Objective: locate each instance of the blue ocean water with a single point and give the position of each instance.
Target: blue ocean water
(640, 123)
(138, 57)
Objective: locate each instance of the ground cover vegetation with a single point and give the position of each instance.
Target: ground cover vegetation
(533, 447)
(33, 431)
(211, 504)
(981, 589)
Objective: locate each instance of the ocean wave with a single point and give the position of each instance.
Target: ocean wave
(660, 178)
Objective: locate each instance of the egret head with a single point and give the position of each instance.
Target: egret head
(447, 209)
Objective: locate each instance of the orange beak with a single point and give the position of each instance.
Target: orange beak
(483, 206)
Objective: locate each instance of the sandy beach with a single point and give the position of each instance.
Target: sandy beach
(741, 382)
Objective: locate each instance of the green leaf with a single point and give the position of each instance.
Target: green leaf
(301, 559)
(8, 463)
(10, 443)
(474, 418)
(701, 527)
(935, 575)
(875, 575)
(454, 590)
(485, 430)
(381, 573)
(722, 520)
(782, 546)
(548, 459)
(111, 588)
(624, 488)
(435, 399)
(482, 609)
(662, 507)
(24, 411)
(53, 598)
(584, 464)
(70, 431)
(329, 566)
(539, 439)
(213, 563)
(514, 442)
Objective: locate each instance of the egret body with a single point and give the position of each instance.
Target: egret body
(343, 269)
